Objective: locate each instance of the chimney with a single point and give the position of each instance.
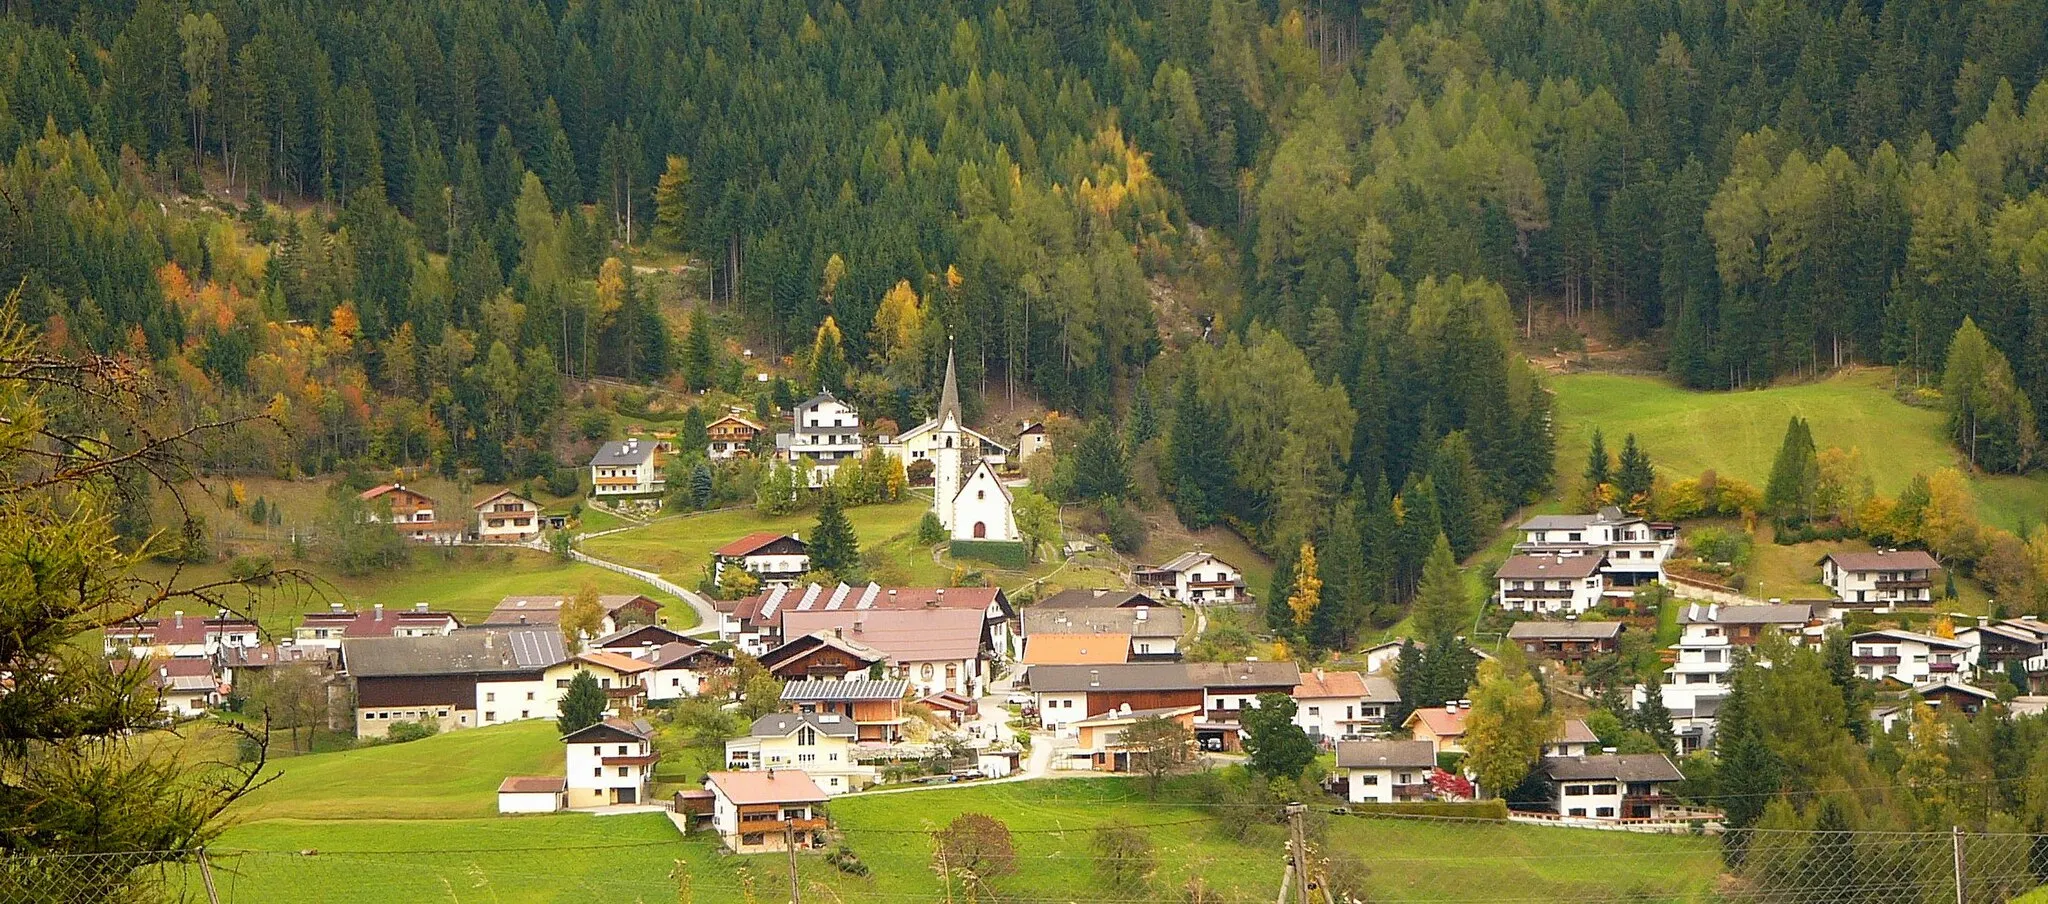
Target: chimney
(1319, 673)
(178, 619)
(379, 610)
(839, 632)
(1983, 620)
(419, 607)
(1094, 677)
(334, 608)
(1713, 612)
(1124, 708)
(1141, 614)
(163, 671)
(1450, 706)
(487, 639)
(522, 618)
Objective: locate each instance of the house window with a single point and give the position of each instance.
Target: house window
(1407, 778)
(490, 697)
(622, 772)
(622, 750)
(1575, 791)
(1369, 780)
(1604, 812)
(1576, 811)
(526, 714)
(1315, 710)
(806, 737)
(1604, 789)
(597, 750)
(529, 695)
(490, 715)
(561, 682)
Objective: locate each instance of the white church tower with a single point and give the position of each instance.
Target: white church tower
(946, 458)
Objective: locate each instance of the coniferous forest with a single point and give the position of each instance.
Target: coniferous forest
(1376, 201)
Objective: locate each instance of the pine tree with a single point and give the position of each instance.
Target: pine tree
(583, 705)
(1837, 652)
(1636, 478)
(1100, 471)
(1441, 604)
(1144, 424)
(828, 358)
(1653, 718)
(1598, 466)
(833, 545)
(1795, 476)
(671, 203)
(702, 484)
(1460, 494)
(700, 357)
(1199, 467)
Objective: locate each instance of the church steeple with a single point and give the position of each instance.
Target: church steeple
(946, 464)
(949, 395)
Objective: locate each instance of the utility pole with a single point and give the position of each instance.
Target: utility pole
(1297, 855)
(789, 841)
(213, 895)
(1961, 884)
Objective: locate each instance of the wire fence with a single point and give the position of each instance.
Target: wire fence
(1382, 860)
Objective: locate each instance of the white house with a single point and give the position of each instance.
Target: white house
(730, 437)
(826, 434)
(1031, 440)
(179, 637)
(186, 688)
(1705, 653)
(413, 514)
(1898, 577)
(1343, 705)
(1385, 772)
(1625, 786)
(507, 517)
(609, 764)
(327, 629)
(1633, 549)
(1551, 584)
(776, 559)
(1907, 657)
(758, 811)
(531, 794)
(1193, 577)
(1574, 738)
(682, 669)
(820, 744)
(627, 468)
(1381, 657)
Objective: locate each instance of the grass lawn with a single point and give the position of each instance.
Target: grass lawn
(1737, 433)
(448, 776)
(680, 548)
(1166, 538)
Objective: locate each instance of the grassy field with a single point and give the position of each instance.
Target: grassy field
(409, 823)
(1737, 433)
(680, 548)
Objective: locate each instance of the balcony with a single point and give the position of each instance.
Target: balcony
(1222, 716)
(1537, 594)
(1414, 792)
(750, 826)
(645, 759)
(1877, 660)
(1907, 584)
(1943, 667)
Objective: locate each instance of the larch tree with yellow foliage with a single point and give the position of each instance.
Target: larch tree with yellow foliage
(899, 327)
(828, 357)
(1308, 587)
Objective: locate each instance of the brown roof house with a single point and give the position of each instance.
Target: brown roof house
(874, 706)
(1887, 577)
(1154, 631)
(1331, 705)
(1550, 584)
(412, 513)
(1609, 787)
(609, 764)
(825, 654)
(760, 811)
(776, 559)
(756, 624)
(933, 649)
(1568, 641)
(620, 610)
(1065, 694)
(326, 629)
(1385, 772)
(475, 676)
(532, 794)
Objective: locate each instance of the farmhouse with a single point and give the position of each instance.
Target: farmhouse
(1626, 786)
(638, 641)
(826, 434)
(507, 517)
(1907, 657)
(1550, 584)
(186, 688)
(609, 764)
(1885, 577)
(934, 649)
(2006, 644)
(1099, 742)
(682, 668)
(826, 654)
(1193, 577)
(1332, 705)
(1950, 694)
(620, 610)
(475, 676)
(1152, 632)
(731, 436)
(820, 744)
(1385, 772)
(179, 637)
(232, 664)
(326, 629)
(622, 677)
(762, 811)
(1632, 549)
(1443, 727)
(875, 707)
(776, 559)
(1568, 641)
(409, 512)
(1031, 440)
(627, 467)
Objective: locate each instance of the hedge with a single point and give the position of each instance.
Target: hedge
(1463, 809)
(1002, 554)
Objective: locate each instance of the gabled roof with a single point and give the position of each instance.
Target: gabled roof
(1575, 731)
(470, 651)
(1956, 686)
(1911, 637)
(678, 651)
(645, 635)
(376, 621)
(1761, 614)
(982, 467)
(834, 638)
(782, 725)
(1883, 560)
(622, 453)
(638, 729)
(378, 492)
(766, 786)
(532, 784)
(827, 691)
(547, 610)
(1386, 755)
(1564, 630)
(1625, 767)
(1541, 567)
(735, 419)
(1095, 599)
(267, 655)
(1157, 621)
(1317, 683)
(502, 494)
(624, 665)
(745, 546)
(766, 606)
(1188, 560)
(906, 635)
(1075, 649)
(1118, 716)
(1441, 722)
(1163, 676)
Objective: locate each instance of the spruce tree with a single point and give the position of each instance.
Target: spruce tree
(833, 545)
(695, 437)
(1100, 471)
(700, 355)
(828, 358)
(583, 705)
(1441, 603)
(1653, 718)
(671, 203)
(1636, 478)
(1460, 494)
(1598, 467)
(702, 484)
(1199, 467)
(1795, 476)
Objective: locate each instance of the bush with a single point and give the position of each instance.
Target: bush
(1495, 809)
(1719, 544)
(401, 732)
(1126, 532)
(565, 481)
(250, 569)
(929, 530)
(1003, 554)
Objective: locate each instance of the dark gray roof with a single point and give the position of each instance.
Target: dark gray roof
(1558, 522)
(1163, 676)
(468, 651)
(780, 725)
(1083, 598)
(949, 394)
(1543, 567)
(621, 453)
(672, 635)
(1564, 630)
(824, 690)
(1159, 621)
(1624, 767)
(671, 653)
(1912, 637)
(1141, 713)
(1386, 755)
(1895, 560)
(1761, 614)
(638, 728)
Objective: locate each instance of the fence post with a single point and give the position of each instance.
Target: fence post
(1961, 883)
(206, 875)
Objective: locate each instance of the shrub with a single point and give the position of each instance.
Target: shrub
(401, 732)
(929, 530)
(1126, 532)
(250, 569)
(565, 481)
(1002, 554)
(1495, 809)
(1719, 544)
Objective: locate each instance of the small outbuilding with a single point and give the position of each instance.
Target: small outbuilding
(532, 794)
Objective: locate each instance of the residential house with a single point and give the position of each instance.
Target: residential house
(1574, 738)
(1693, 727)
(1612, 786)
(1907, 657)
(623, 678)
(620, 610)
(1887, 577)
(638, 641)
(609, 764)
(826, 434)
(1076, 649)
(935, 650)
(776, 559)
(1153, 632)
(233, 665)
(755, 624)
(1632, 550)
(1380, 658)
(1100, 598)
(1442, 726)
(1566, 641)
(179, 637)
(507, 517)
(1385, 772)
(874, 706)
(820, 744)
(825, 655)
(1333, 706)
(1031, 440)
(327, 629)
(1194, 578)
(475, 676)
(682, 669)
(627, 467)
(1098, 739)
(731, 436)
(1065, 694)
(1705, 653)
(1550, 584)
(411, 513)
(2007, 645)
(532, 794)
(1949, 694)
(186, 688)
(762, 811)
(952, 707)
